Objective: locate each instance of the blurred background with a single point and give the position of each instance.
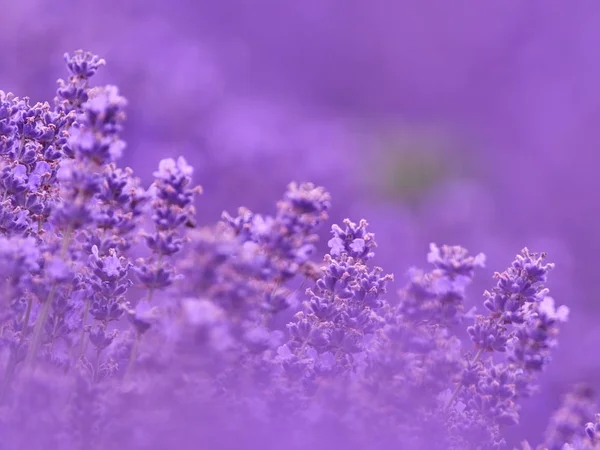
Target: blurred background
(470, 122)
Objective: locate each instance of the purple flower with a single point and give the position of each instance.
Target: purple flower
(109, 284)
(73, 93)
(438, 296)
(288, 237)
(343, 309)
(94, 137)
(454, 261)
(353, 240)
(489, 335)
(519, 287)
(83, 64)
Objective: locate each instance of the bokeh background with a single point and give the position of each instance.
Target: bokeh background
(464, 122)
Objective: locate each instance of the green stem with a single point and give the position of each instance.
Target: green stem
(96, 366)
(132, 356)
(82, 337)
(151, 290)
(54, 326)
(40, 322)
(460, 385)
(300, 287)
(38, 330)
(150, 294)
(8, 376)
(26, 321)
(12, 362)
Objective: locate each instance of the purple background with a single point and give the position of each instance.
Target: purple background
(466, 122)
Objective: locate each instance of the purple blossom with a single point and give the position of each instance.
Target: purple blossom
(520, 286)
(439, 295)
(95, 135)
(73, 93)
(289, 236)
(109, 284)
(353, 240)
(83, 64)
(342, 310)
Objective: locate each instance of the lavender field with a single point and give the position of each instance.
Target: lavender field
(324, 224)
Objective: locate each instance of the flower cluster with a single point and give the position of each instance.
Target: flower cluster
(344, 308)
(123, 324)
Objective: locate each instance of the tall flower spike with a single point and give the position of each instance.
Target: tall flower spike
(95, 135)
(518, 291)
(172, 208)
(121, 203)
(109, 285)
(343, 310)
(522, 323)
(530, 348)
(287, 239)
(172, 205)
(94, 141)
(519, 286)
(304, 207)
(438, 296)
(71, 94)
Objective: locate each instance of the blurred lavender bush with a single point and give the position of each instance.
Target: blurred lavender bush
(126, 324)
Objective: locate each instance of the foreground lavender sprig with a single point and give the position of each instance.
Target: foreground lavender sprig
(94, 142)
(513, 301)
(522, 324)
(343, 310)
(172, 208)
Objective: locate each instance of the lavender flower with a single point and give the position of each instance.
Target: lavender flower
(95, 135)
(438, 296)
(108, 284)
(74, 92)
(287, 238)
(353, 240)
(172, 206)
(343, 311)
(94, 142)
(522, 323)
